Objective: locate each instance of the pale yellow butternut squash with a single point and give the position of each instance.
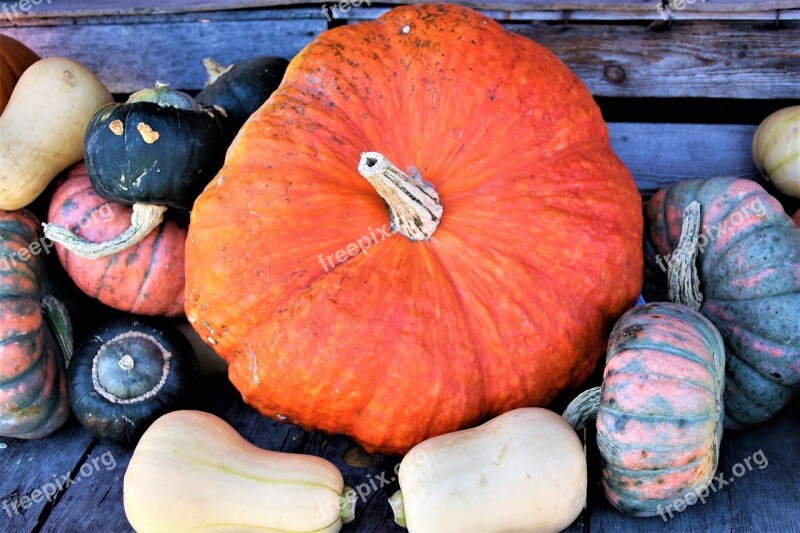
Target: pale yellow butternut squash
(43, 125)
(524, 471)
(191, 471)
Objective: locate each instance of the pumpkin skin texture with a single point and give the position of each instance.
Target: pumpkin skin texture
(749, 271)
(146, 279)
(33, 394)
(507, 304)
(127, 374)
(659, 425)
(15, 57)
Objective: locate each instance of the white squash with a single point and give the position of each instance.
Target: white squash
(191, 471)
(43, 126)
(524, 471)
(776, 150)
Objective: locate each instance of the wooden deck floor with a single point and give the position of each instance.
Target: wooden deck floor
(763, 498)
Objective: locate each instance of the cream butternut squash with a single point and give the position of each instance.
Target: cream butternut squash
(43, 125)
(191, 471)
(524, 471)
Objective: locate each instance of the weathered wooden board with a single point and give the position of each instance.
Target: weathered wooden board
(112, 7)
(41, 465)
(741, 61)
(662, 154)
(744, 60)
(648, 12)
(94, 502)
(129, 57)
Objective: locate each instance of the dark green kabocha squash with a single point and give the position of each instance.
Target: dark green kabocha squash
(127, 374)
(242, 88)
(160, 148)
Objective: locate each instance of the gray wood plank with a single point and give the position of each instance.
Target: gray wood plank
(79, 8)
(130, 57)
(649, 14)
(36, 469)
(773, 480)
(94, 502)
(662, 154)
(741, 61)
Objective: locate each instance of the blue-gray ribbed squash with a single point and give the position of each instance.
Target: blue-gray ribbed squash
(749, 272)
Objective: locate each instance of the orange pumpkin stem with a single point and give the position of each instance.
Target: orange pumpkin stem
(144, 219)
(414, 205)
(682, 278)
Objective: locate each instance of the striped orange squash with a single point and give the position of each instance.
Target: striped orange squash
(33, 394)
(146, 279)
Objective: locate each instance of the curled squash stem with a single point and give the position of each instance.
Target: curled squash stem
(398, 508)
(414, 206)
(144, 219)
(682, 278)
(214, 69)
(583, 408)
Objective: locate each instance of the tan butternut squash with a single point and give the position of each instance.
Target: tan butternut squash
(191, 471)
(524, 471)
(43, 125)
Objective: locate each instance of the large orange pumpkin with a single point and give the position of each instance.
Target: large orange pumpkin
(504, 276)
(15, 57)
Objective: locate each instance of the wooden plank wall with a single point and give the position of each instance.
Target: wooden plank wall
(130, 44)
(133, 44)
(681, 9)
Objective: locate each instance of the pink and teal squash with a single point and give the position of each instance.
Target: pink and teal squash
(659, 410)
(749, 272)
